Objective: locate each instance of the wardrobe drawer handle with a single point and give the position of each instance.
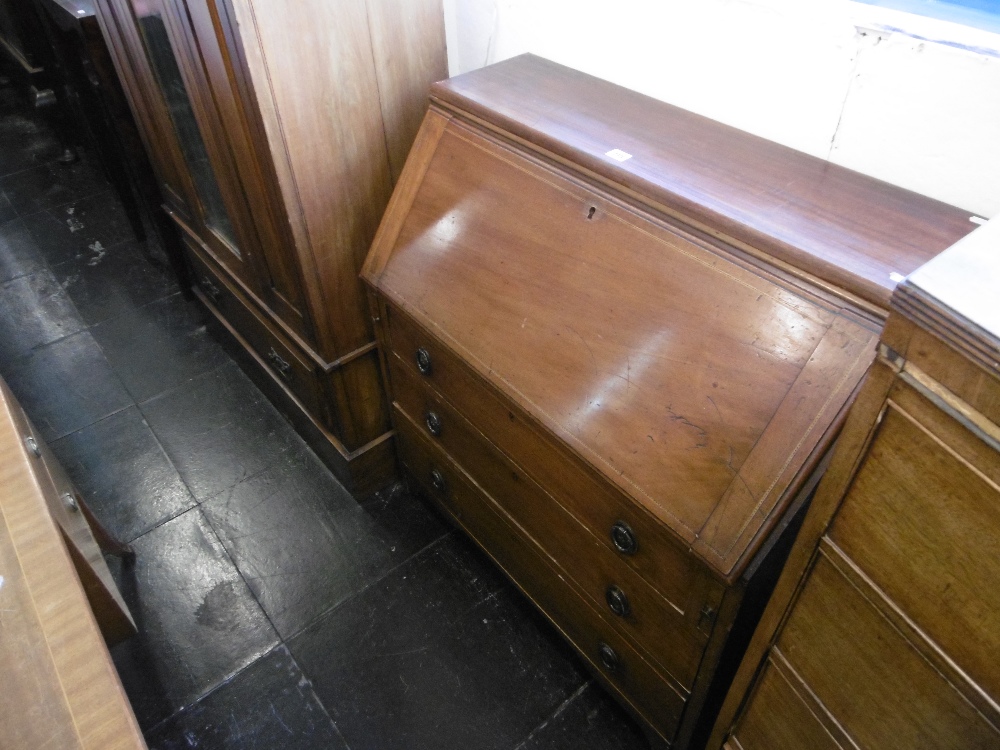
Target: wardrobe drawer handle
(280, 365)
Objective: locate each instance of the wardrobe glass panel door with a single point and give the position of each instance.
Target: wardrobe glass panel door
(168, 76)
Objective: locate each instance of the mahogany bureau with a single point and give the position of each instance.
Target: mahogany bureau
(884, 630)
(619, 340)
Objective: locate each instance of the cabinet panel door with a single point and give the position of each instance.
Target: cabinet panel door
(221, 58)
(921, 520)
(871, 678)
(213, 193)
(779, 719)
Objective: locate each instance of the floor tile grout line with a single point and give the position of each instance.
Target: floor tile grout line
(555, 714)
(239, 572)
(134, 309)
(174, 388)
(106, 416)
(350, 597)
(315, 695)
(214, 688)
(231, 677)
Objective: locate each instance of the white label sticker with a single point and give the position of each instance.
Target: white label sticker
(896, 277)
(618, 155)
(978, 220)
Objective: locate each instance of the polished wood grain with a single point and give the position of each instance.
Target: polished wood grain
(408, 46)
(821, 220)
(60, 686)
(673, 323)
(577, 486)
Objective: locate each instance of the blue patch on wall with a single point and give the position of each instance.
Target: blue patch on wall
(981, 14)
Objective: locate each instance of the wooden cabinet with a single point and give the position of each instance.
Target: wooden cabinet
(620, 340)
(57, 600)
(885, 628)
(277, 131)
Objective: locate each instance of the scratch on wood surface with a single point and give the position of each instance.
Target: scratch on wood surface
(591, 351)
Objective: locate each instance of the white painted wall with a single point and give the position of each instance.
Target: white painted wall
(915, 113)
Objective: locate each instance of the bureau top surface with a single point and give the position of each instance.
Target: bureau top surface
(847, 229)
(695, 382)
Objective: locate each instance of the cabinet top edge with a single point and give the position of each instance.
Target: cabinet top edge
(852, 231)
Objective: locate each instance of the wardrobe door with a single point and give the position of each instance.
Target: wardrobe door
(214, 195)
(221, 55)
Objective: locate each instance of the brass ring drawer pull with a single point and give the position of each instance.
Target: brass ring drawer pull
(609, 658)
(624, 538)
(438, 481)
(434, 424)
(618, 601)
(424, 361)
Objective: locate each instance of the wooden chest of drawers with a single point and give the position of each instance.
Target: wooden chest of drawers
(617, 377)
(884, 631)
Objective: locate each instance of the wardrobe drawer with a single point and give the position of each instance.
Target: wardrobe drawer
(610, 655)
(639, 612)
(922, 520)
(628, 532)
(875, 681)
(286, 364)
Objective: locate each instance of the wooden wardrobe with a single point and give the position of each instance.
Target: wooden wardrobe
(277, 131)
(884, 631)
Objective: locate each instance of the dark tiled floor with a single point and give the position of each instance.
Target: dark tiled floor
(275, 609)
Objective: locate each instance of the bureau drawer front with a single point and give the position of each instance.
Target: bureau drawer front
(283, 361)
(645, 616)
(658, 557)
(923, 522)
(873, 681)
(633, 678)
